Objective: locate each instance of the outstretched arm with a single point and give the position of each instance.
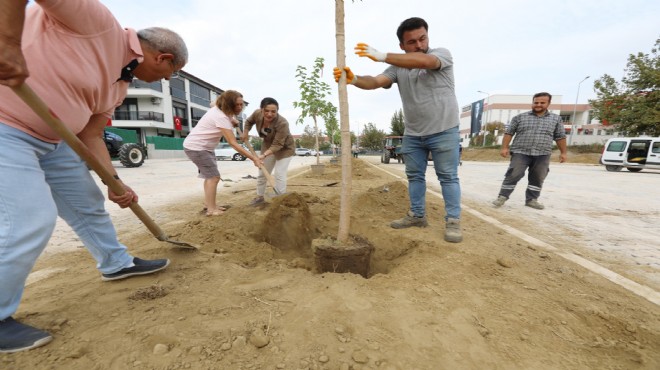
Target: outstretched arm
(363, 82)
(407, 60)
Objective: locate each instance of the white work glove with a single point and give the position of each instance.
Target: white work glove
(365, 50)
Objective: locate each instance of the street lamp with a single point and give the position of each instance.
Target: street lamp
(570, 138)
(484, 126)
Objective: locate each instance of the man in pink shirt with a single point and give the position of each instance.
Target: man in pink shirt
(77, 57)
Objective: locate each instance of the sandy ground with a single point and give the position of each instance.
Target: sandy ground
(249, 299)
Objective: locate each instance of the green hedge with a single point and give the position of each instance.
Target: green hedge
(166, 143)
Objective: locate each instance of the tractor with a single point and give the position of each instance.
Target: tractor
(129, 154)
(392, 149)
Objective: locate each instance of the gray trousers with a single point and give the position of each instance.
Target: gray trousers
(538, 166)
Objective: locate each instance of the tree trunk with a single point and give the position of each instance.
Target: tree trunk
(316, 137)
(345, 203)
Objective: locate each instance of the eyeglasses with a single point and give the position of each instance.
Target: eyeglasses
(175, 73)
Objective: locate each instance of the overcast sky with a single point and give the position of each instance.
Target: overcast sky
(506, 46)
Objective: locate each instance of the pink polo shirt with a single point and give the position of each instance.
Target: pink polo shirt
(75, 51)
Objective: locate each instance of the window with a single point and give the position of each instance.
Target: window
(195, 115)
(138, 84)
(200, 95)
(656, 147)
(616, 146)
(178, 88)
(565, 117)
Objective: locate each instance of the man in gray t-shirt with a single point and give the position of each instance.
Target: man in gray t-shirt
(425, 78)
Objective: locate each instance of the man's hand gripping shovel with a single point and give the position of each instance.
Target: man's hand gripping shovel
(42, 110)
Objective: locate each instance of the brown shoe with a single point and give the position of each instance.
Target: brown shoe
(409, 220)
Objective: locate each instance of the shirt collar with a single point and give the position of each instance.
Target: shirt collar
(135, 56)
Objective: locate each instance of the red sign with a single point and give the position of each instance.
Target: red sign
(177, 123)
(109, 123)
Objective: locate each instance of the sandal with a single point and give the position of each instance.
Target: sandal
(217, 212)
(222, 208)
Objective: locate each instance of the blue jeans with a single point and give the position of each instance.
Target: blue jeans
(38, 182)
(444, 148)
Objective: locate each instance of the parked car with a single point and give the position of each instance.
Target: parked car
(226, 151)
(633, 153)
(305, 152)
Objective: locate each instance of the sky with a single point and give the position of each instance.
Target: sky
(500, 47)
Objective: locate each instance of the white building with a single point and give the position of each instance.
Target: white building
(502, 108)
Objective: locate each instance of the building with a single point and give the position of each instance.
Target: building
(165, 108)
(502, 108)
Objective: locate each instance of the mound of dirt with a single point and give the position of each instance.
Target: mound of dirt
(250, 298)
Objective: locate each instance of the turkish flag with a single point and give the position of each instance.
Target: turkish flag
(177, 123)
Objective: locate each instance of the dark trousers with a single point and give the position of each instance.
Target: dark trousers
(538, 166)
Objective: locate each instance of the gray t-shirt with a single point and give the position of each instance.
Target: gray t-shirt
(428, 96)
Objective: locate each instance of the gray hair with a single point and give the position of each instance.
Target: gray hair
(166, 41)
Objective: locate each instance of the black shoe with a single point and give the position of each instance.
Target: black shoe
(142, 267)
(16, 337)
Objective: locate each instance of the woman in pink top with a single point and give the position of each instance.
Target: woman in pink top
(199, 145)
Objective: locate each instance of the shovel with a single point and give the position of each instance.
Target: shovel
(269, 177)
(41, 109)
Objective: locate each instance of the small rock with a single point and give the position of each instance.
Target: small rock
(504, 262)
(225, 346)
(259, 340)
(323, 359)
(161, 349)
(360, 357)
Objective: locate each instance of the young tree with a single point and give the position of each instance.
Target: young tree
(332, 130)
(396, 125)
(346, 168)
(313, 93)
(633, 105)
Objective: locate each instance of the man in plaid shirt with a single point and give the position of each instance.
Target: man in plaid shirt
(534, 131)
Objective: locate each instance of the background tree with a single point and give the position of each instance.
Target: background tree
(256, 143)
(308, 138)
(372, 138)
(313, 93)
(633, 104)
(396, 125)
(332, 130)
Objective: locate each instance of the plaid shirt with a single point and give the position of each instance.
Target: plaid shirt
(534, 134)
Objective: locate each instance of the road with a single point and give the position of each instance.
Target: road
(611, 218)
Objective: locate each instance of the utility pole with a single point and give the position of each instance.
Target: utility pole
(487, 115)
(570, 138)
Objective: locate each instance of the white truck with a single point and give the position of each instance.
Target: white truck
(633, 153)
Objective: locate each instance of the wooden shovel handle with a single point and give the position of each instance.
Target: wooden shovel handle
(41, 109)
(269, 177)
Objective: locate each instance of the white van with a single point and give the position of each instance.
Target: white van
(633, 153)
